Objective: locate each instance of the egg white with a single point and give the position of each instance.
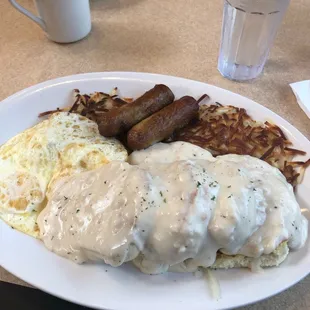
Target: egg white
(34, 160)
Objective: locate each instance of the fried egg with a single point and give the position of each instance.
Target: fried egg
(33, 161)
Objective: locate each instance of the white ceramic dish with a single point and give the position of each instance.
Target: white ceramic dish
(125, 288)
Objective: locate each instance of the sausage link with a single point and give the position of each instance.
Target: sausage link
(120, 120)
(163, 123)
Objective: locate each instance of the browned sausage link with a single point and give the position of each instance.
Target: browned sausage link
(122, 119)
(163, 123)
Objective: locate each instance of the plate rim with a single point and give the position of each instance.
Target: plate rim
(143, 76)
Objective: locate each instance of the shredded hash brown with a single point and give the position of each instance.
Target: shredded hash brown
(219, 129)
(230, 130)
(92, 105)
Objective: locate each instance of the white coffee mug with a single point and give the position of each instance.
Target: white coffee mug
(64, 21)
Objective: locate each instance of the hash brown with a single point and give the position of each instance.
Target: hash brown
(230, 130)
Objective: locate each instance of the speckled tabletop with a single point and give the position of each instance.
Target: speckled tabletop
(175, 37)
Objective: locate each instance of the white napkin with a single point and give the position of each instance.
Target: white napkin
(302, 93)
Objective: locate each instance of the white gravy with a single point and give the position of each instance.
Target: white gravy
(173, 204)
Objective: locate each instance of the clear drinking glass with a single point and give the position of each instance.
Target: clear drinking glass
(248, 31)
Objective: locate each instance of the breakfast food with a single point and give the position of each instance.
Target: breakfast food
(219, 129)
(170, 207)
(120, 120)
(163, 123)
(174, 207)
(32, 161)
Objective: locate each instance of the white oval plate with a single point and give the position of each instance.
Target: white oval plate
(125, 288)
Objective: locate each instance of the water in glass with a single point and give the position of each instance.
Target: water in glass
(248, 31)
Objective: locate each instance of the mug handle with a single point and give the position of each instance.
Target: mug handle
(36, 19)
